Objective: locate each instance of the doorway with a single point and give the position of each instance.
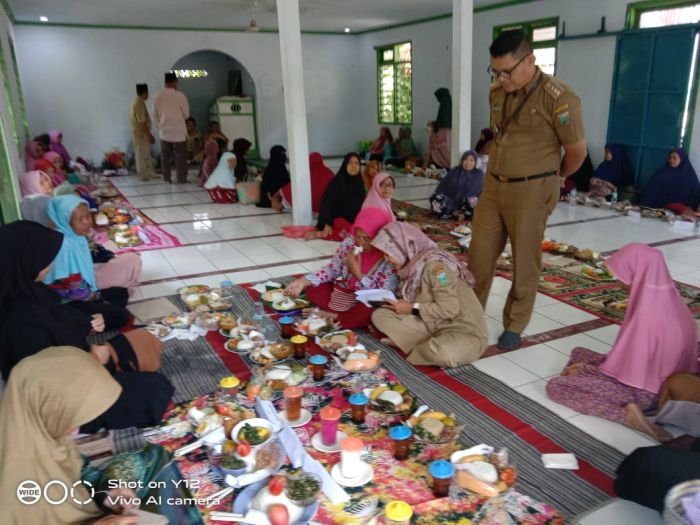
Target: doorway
(205, 76)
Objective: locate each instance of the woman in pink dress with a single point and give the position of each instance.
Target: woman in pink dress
(657, 339)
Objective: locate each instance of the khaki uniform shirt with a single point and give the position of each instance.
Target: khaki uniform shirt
(448, 304)
(138, 115)
(531, 143)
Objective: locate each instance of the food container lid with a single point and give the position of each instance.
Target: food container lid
(398, 510)
(358, 399)
(318, 360)
(229, 382)
(441, 469)
(286, 320)
(351, 444)
(293, 391)
(400, 432)
(299, 339)
(329, 413)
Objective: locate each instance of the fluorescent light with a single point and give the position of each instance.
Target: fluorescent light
(347, 29)
(43, 19)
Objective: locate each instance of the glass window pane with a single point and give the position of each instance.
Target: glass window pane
(388, 55)
(543, 34)
(546, 58)
(386, 93)
(404, 52)
(404, 99)
(670, 17)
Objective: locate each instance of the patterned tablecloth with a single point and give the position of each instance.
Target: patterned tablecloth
(406, 480)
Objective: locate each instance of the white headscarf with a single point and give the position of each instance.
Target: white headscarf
(222, 176)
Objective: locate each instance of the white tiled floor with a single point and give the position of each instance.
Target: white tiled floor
(209, 231)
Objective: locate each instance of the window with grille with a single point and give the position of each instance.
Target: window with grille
(395, 84)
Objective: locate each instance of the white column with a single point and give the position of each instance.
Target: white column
(462, 38)
(295, 109)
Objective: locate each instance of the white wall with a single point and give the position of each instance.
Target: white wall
(82, 81)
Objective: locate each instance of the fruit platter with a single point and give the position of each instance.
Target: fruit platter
(391, 399)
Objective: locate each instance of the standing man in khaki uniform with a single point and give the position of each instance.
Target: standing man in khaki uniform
(141, 132)
(534, 116)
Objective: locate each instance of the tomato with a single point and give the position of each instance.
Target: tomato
(278, 514)
(508, 476)
(276, 485)
(243, 448)
(223, 410)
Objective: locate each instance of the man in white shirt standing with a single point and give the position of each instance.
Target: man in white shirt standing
(170, 110)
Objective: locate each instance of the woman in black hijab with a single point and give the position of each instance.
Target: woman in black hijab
(240, 149)
(341, 202)
(276, 175)
(33, 318)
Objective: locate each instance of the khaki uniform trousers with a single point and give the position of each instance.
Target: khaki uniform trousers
(519, 211)
(142, 154)
(448, 348)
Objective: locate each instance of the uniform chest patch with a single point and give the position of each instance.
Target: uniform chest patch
(442, 278)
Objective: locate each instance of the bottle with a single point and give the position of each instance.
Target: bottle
(613, 197)
(227, 292)
(572, 197)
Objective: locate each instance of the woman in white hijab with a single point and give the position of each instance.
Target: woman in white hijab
(222, 182)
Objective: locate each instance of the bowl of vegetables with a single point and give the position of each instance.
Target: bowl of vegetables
(255, 432)
(302, 488)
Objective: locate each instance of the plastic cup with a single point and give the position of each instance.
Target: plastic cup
(358, 405)
(401, 435)
(287, 327)
(318, 366)
(292, 402)
(329, 425)
(442, 472)
(351, 466)
(398, 513)
(299, 343)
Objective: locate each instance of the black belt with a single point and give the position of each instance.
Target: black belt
(523, 179)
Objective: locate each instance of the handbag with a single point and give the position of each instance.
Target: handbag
(248, 190)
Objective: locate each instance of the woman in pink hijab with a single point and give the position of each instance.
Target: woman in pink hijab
(57, 146)
(54, 158)
(35, 183)
(379, 195)
(34, 150)
(658, 338)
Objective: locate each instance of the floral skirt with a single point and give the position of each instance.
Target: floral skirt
(441, 204)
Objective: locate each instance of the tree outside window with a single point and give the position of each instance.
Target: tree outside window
(395, 83)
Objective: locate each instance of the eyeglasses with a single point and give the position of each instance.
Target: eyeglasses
(505, 73)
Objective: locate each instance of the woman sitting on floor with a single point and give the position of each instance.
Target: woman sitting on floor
(33, 151)
(57, 146)
(674, 185)
(210, 160)
(371, 169)
(611, 174)
(379, 196)
(439, 147)
(35, 183)
(47, 167)
(240, 148)
(482, 148)
(382, 145)
(457, 194)
(34, 318)
(341, 202)
(275, 176)
(658, 338)
(221, 184)
(332, 287)
(321, 176)
(406, 150)
(73, 275)
(438, 320)
(48, 397)
(58, 164)
(679, 406)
